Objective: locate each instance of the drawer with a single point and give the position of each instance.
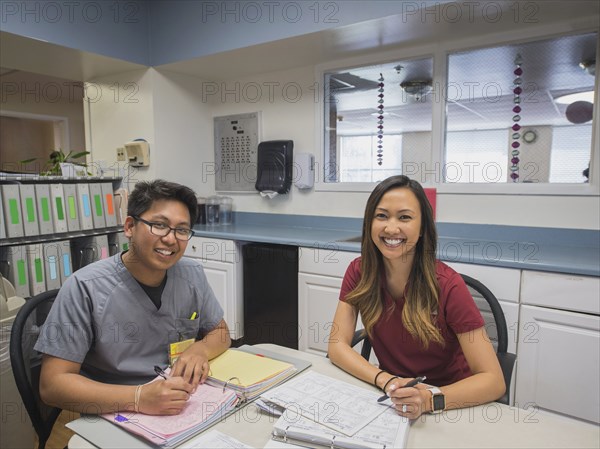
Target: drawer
(213, 249)
(325, 261)
(503, 282)
(561, 291)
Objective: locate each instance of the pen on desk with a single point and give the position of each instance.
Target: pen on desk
(412, 383)
(158, 370)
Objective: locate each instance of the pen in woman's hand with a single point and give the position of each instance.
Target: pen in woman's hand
(412, 383)
(158, 370)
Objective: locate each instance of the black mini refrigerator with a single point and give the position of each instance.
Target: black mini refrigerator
(270, 294)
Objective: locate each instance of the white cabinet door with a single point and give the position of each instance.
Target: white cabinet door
(222, 264)
(317, 301)
(559, 362)
(220, 277)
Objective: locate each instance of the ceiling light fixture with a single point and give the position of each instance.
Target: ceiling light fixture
(417, 88)
(579, 96)
(589, 66)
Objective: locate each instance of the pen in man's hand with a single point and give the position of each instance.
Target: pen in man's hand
(412, 383)
(158, 370)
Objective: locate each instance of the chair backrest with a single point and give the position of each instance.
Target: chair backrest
(26, 362)
(505, 358)
(497, 312)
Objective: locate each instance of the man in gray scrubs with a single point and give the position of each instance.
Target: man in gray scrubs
(115, 319)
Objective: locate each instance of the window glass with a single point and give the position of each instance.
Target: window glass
(377, 118)
(507, 106)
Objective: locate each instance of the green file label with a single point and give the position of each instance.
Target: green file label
(59, 208)
(21, 276)
(98, 202)
(13, 208)
(45, 210)
(30, 206)
(39, 271)
(72, 208)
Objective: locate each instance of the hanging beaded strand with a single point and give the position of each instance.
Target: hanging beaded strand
(516, 136)
(380, 121)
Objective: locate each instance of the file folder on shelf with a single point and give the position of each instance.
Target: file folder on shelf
(65, 261)
(110, 213)
(12, 210)
(44, 208)
(52, 253)
(97, 205)
(2, 221)
(70, 191)
(114, 246)
(13, 265)
(101, 243)
(85, 206)
(58, 208)
(35, 263)
(121, 198)
(29, 210)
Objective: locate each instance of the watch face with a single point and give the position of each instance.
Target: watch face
(439, 402)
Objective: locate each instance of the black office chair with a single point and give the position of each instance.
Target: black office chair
(505, 358)
(26, 362)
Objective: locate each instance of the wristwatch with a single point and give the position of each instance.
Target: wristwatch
(438, 401)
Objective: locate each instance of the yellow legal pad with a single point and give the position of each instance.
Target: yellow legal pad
(242, 369)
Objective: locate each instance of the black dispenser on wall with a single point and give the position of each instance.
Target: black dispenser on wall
(274, 166)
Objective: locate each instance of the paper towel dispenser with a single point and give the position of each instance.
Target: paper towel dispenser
(274, 166)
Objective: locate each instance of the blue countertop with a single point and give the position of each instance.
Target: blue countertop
(572, 251)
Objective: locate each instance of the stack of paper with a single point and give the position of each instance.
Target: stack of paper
(249, 375)
(206, 406)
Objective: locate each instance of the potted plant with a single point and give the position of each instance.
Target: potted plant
(61, 164)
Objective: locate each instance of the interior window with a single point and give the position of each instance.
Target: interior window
(377, 118)
(525, 109)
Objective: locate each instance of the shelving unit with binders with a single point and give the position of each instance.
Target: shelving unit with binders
(52, 226)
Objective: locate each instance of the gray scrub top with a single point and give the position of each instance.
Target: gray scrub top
(104, 320)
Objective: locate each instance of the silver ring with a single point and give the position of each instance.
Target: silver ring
(403, 408)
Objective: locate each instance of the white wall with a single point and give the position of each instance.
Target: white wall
(119, 109)
(176, 118)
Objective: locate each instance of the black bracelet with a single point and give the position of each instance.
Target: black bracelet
(376, 376)
(386, 384)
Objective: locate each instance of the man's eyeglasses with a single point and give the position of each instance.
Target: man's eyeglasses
(162, 230)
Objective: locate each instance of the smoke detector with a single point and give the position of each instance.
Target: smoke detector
(417, 88)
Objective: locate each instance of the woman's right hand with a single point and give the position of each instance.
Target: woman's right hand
(164, 397)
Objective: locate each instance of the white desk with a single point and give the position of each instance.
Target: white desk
(491, 425)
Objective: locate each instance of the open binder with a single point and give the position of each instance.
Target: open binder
(388, 430)
(206, 406)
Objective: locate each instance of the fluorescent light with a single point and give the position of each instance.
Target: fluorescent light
(579, 96)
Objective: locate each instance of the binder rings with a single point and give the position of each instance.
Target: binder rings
(44, 208)
(52, 253)
(97, 205)
(70, 191)
(13, 265)
(35, 263)
(110, 213)
(29, 209)
(84, 203)
(12, 210)
(58, 208)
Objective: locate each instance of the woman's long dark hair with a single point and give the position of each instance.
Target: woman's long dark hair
(422, 290)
